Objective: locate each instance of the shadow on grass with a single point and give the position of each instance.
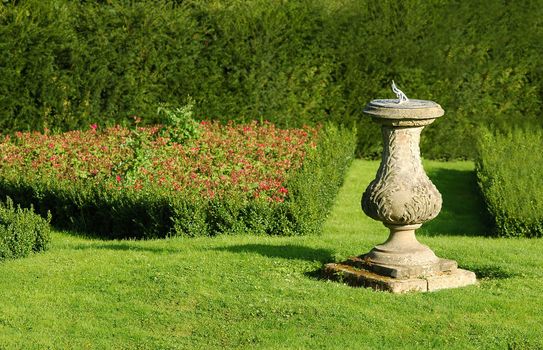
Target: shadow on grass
(463, 211)
(125, 247)
(318, 275)
(286, 251)
(489, 271)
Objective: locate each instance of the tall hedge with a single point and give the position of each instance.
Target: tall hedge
(66, 64)
(509, 171)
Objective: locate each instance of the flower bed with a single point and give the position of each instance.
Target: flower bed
(140, 182)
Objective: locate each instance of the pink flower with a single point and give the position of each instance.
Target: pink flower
(94, 127)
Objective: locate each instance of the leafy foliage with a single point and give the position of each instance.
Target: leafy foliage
(178, 123)
(121, 182)
(64, 63)
(509, 170)
(22, 231)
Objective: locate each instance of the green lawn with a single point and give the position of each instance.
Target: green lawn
(262, 292)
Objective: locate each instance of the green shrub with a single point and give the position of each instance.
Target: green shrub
(21, 231)
(509, 169)
(65, 63)
(178, 124)
(232, 179)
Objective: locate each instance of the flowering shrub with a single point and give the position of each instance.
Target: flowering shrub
(140, 182)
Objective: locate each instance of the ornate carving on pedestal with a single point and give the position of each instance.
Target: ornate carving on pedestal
(402, 193)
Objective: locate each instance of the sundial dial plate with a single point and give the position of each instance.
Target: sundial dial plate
(411, 104)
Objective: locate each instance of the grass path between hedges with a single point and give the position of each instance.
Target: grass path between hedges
(261, 292)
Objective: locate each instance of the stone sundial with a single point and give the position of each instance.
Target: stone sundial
(403, 198)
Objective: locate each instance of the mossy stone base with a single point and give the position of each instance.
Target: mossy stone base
(355, 276)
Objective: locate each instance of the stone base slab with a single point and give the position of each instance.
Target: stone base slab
(403, 272)
(363, 278)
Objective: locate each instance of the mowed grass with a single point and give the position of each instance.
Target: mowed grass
(264, 292)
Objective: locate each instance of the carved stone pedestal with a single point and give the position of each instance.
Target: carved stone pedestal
(402, 197)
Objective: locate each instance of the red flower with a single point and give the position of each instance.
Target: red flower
(94, 127)
(118, 178)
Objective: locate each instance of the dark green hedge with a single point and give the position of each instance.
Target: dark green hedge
(509, 170)
(66, 64)
(22, 231)
(152, 213)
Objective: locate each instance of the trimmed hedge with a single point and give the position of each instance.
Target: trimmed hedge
(67, 64)
(509, 170)
(22, 231)
(103, 205)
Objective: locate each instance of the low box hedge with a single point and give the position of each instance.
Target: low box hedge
(141, 183)
(21, 231)
(509, 171)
